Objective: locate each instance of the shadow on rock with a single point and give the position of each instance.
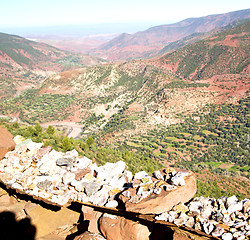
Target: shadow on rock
(81, 228)
(11, 229)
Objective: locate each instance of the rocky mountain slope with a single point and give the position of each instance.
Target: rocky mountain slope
(148, 43)
(24, 63)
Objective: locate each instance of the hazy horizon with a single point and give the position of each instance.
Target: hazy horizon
(97, 17)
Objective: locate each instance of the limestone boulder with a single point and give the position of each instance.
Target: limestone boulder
(118, 228)
(6, 142)
(163, 201)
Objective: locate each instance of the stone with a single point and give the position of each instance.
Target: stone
(195, 207)
(158, 175)
(140, 175)
(44, 184)
(111, 204)
(83, 162)
(181, 220)
(217, 216)
(89, 236)
(172, 216)
(179, 178)
(227, 236)
(114, 171)
(41, 152)
(208, 227)
(180, 208)
(122, 229)
(89, 214)
(163, 217)
(46, 221)
(190, 222)
(246, 205)
(79, 174)
(218, 231)
(65, 161)
(6, 142)
(164, 201)
(92, 188)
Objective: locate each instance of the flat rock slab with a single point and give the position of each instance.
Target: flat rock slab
(47, 221)
(165, 200)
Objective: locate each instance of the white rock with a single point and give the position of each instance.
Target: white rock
(172, 216)
(157, 190)
(158, 175)
(140, 175)
(110, 171)
(68, 178)
(107, 215)
(235, 207)
(17, 186)
(71, 154)
(83, 162)
(101, 197)
(128, 175)
(208, 227)
(163, 217)
(231, 201)
(18, 139)
(178, 178)
(195, 207)
(227, 236)
(60, 199)
(111, 204)
(218, 231)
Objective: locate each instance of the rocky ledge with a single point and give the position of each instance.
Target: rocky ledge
(62, 178)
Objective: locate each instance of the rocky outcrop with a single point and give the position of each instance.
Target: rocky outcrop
(122, 228)
(115, 203)
(6, 142)
(168, 193)
(61, 178)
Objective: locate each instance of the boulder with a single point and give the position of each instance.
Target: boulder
(46, 221)
(165, 200)
(89, 214)
(6, 142)
(119, 228)
(89, 236)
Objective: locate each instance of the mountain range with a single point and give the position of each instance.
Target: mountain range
(151, 41)
(188, 102)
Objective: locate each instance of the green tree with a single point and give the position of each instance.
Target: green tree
(50, 130)
(90, 141)
(66, 144)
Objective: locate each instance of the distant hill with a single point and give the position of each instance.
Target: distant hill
(141, 93)
(148, 43)
(224, 53)
(24, 60)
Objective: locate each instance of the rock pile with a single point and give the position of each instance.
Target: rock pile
(225, 217)
(61, 178)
